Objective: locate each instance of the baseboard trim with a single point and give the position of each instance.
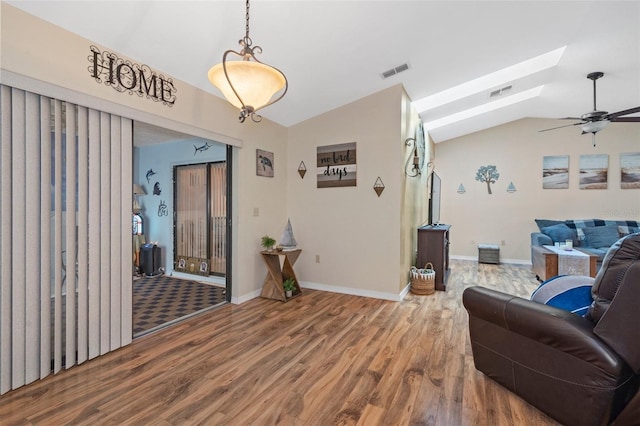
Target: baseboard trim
(246, 297)
(510, 261)
(333, 289)
(356, 291)
(211, 279)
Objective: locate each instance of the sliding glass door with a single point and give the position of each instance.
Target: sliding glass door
(200, 192)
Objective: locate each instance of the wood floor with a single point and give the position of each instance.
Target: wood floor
(320, 359)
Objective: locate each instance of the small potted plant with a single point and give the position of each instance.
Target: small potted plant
(268, 242)
(289, 285)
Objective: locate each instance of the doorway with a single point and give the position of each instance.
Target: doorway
(184, 207)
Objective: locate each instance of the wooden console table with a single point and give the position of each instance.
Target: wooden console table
(276, 275)
(545, 263)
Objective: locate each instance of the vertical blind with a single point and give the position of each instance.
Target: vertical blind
(218, 209)
(65, 246)
(191, 211)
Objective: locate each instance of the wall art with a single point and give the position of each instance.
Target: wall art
(125, 76)
(201, 148)
(378, 186)
(302, 170)
(336, 165)
(555, 172)
(594, 170)
(162, 209)
(630, 170)
(487, 174)
(264, 163)
(150, 173)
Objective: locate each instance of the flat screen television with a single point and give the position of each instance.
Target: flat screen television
(434, 199)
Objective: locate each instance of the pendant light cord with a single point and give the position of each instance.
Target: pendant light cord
(247, 18)
(247, 40)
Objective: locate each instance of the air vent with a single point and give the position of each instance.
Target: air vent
(500, 92)
(394, 71)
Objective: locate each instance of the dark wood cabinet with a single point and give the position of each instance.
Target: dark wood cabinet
(433, 247)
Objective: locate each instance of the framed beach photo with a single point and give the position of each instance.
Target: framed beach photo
(555, 172)
(630, 170)
(594, 171)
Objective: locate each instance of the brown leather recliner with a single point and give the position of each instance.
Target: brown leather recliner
(579, 370)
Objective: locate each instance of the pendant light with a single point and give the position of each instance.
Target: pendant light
(248, 84)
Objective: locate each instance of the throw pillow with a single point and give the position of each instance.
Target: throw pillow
(560, 233)
(543, 223)
(568, 292)
(601, 236)
(623, 231)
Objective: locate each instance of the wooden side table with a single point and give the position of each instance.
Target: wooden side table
(276, 275)
(545, 263)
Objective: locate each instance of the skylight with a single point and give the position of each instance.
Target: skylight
(490, 81)
(481, 109)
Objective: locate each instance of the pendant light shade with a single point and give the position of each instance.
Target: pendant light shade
(248, 84)
(255, 83)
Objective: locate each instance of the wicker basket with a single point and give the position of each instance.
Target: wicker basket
(423, 281)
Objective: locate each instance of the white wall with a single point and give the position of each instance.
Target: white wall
(356, 234)
(47, 59)
(517, 150)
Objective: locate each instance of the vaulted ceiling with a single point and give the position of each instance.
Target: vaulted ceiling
(335, 52)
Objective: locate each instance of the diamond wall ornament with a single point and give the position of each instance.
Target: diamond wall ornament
(302, 169)
(378, 186)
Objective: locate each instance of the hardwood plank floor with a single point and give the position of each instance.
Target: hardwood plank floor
(320, 359)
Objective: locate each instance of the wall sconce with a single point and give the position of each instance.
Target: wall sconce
(461, 189)
(302, 169)
(416, 163)
(378, 186)
(511, 188)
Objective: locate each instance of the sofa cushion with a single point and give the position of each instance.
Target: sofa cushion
(543, 223)
(560, 233)
(624, 230)
(601, 236)
(569, 292)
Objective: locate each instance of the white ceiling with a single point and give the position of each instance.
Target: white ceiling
(333, 52)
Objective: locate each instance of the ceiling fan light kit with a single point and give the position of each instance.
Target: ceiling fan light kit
(595, 121)
(248, 84)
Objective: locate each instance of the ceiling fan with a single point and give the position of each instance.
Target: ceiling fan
(594, 121)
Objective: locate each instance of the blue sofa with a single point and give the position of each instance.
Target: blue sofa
(594, 236)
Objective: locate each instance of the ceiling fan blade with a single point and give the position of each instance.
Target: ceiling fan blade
(560, 127)
(625, 112)
(626, 120)
(570, 118)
